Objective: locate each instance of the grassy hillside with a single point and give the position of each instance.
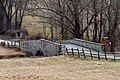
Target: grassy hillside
(58, 68)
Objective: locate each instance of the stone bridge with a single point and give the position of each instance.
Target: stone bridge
(40, 47)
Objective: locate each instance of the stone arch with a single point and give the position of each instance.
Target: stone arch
(39, 53)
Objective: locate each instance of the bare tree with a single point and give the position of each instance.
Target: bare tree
(92, 18)
(10, 9)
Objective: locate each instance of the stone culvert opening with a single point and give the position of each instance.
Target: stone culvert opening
(39, 53)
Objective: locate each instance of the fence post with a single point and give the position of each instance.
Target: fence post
(83, 53)
(14, 44)
(105, 55)
(91, 53)
(67, 51)
(11, 43)
(4, 43)
(98, 55)
(8, 45)
(72, 52)
(78, 53)
(19, 44)
(114, 55)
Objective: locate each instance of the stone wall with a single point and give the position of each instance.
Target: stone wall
(86, 44)
(47, 47)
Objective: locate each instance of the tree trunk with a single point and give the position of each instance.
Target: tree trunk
(76, 17)
(101, 24)
(77, 29)
(95, 30)
(1, 18)
(112, 47)
(87, 33)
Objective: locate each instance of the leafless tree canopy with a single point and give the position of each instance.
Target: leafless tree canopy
(86, 19)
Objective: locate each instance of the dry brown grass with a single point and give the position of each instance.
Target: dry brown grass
(58, 68)
(9, 52)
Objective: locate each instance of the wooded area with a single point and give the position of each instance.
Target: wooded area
(93, 20)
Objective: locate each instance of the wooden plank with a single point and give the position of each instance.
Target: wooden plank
(105, 55)
(73, 52)
(83, 53)
(67, 51)
(91, 54)
(114, 55)
(98, 55)
(78, 53)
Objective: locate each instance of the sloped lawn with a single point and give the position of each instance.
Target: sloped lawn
(58, 68)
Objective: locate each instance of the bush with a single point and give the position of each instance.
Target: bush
(18, 48)
(2, 43)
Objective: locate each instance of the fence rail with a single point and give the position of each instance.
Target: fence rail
(92, 54)
(10, 43)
